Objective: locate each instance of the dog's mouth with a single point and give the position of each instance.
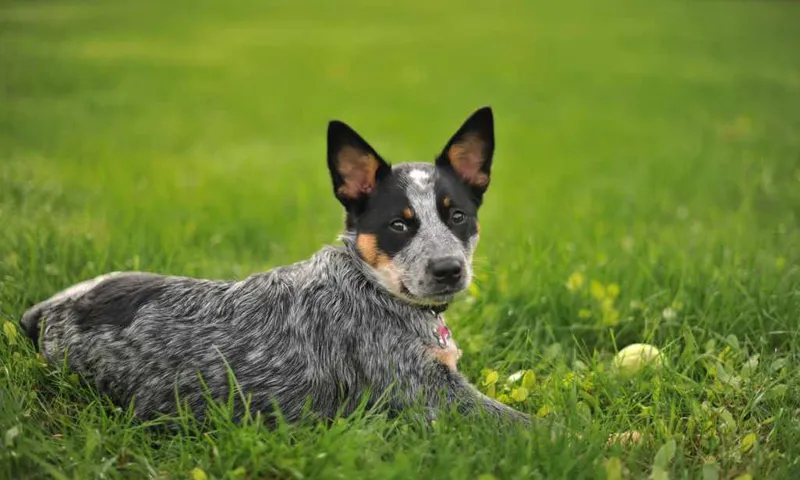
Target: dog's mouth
(437, 297)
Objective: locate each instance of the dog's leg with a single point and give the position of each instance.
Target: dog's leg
(468, 399)
(440, 388)
(498, 409)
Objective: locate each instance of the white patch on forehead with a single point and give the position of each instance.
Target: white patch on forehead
(421, 195)
(433, 233)
(420, 177)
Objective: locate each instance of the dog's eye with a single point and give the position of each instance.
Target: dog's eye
(457, 217)
(398, 226)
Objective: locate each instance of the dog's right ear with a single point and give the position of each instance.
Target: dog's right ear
(356, 168)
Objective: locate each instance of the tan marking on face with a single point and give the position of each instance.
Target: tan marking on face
(383, 261)
(408, 214)
(446, 202)
(367, 245)
(477, 227)
(467, 158)
(357, 169)
(385, 269)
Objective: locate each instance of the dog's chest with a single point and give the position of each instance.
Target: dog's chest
(444, 347)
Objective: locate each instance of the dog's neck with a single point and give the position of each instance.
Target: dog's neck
(438, 309)
(348, 238)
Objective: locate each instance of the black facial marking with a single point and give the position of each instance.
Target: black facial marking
(116, 300)
(459, 197)
(383, 207)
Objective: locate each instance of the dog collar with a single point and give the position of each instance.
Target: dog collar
(441, 332)
(439, 309)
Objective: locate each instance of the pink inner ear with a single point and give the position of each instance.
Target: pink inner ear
(357, 169)
(467, 159)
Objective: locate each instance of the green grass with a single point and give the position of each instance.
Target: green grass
(653, 146)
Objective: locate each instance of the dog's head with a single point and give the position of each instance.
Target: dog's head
(415, 225)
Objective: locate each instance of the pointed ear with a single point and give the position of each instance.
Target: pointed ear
(469, 153)
(355, 167)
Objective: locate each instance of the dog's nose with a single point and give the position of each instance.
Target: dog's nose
(446, 269)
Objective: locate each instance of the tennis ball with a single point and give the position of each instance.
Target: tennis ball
(633, 358)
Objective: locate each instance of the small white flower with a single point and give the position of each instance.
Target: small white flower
(515, 377)
(669, 313)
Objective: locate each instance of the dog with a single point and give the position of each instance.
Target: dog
(360, 320)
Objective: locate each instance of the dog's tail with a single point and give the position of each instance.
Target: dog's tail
(31, 322)
(56, 307)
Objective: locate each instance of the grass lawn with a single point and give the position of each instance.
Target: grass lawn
(646, 189)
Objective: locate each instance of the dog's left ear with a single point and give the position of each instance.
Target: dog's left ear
(469, 153)
(355, 167)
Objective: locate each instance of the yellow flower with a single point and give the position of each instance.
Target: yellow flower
(748, 442)
(490, 382)
(198, 474)
(612, 290)
(610, 317)
(588, 382)
(503, 398)
(597, 290)
(544, 411)
(575, 281)
(491, 391)
(529, 379)
(10, 331)
(613, 468)
(584, 313)
(519, 394)
(607, 304)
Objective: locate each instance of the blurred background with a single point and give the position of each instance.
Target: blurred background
(649, 144)
(646, 188)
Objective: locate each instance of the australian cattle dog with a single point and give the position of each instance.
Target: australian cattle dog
(361, 320)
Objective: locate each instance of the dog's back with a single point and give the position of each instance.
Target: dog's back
(144, 336)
